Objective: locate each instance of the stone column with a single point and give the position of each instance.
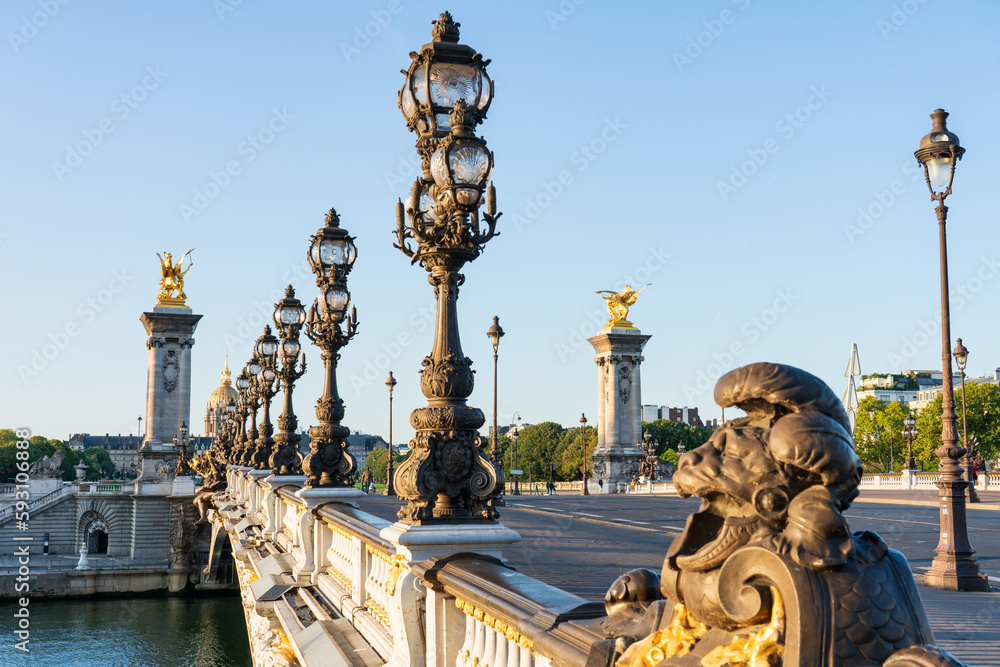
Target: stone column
(168, 394)
(619, 412)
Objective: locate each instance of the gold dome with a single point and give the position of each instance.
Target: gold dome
(225, 393)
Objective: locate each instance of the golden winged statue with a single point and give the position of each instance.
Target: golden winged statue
(172, 280)
(618, 304)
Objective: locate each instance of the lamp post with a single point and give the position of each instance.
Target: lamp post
(231, 453)
(910, 434)
(390, 490)
(181, 443)
(953, 567)
(961, 359)
(331, 256)
(444, 97)
(514, 435)
(253, 369)
(266, 350)
(289, 315)
(583, 429)
(495, 333)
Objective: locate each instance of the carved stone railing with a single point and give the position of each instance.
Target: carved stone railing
(36, 504)
(306, 567)
(908, 480)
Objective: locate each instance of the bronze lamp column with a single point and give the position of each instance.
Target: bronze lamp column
(288, 317)
(331, 256)
(444, 97)
(266, 350)
(953, 567)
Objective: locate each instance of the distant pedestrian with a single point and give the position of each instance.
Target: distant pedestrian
(600, 483)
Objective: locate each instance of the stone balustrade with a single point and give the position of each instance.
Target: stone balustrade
(318, 575)
(911, 479)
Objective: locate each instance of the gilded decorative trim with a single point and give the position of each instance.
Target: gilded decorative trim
(501, 628)
(340, 531)
(378, 611)
(341, 578)
(397, 563)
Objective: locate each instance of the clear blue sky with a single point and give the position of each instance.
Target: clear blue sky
(830, 99)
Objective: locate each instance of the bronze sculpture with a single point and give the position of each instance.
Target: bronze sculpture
(767, 572)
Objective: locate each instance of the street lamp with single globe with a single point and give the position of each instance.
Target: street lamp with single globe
(953, 567)
(910, 434)
(495, 333)
(961, 359)
(583, 429)
(390, 490)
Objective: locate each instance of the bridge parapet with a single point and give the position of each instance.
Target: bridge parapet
(318, 575)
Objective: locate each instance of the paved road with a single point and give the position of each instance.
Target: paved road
(583, 543)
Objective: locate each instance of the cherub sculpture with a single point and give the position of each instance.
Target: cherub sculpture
(767, 572)
(211, 483)
(172, 277)
(618, 303)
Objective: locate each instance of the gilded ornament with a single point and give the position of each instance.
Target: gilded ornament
(618, 304)
(172, 281)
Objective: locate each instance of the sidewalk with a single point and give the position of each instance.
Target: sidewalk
(966, 624)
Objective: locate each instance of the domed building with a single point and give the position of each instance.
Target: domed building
(216, 409)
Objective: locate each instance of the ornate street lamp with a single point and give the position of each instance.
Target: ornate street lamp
(266, 352)
(289, 315)
(445, 95)
(231, 453)
(495, 333)
(583, 429)
(961, 359)
(390, 490)
(910, 434)
(954, 567)
(331, 256)
(181, 444)
(252, 402)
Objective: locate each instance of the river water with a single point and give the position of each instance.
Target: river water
(130, 632)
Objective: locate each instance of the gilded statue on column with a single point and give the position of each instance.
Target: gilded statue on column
(618, 304)
(172, 280)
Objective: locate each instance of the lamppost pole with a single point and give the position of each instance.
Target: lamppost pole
(331, 256)
(583, 429)
(953, 567)
(289, 315)
(910, 433)
(961, 359)
(445, 95)
(513, 465)
(495, 333)
(390, 490)
(267, 350)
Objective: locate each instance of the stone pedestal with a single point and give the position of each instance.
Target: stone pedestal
(619, 405)
(418, 543)
(168, 394)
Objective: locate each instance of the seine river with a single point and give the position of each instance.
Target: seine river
(130, 632)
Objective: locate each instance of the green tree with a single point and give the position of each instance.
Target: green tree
(101, 465)
(668, 434)
(569, 464)
(378, 461)
(536, 449)
(878, 434)
(983, 411)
